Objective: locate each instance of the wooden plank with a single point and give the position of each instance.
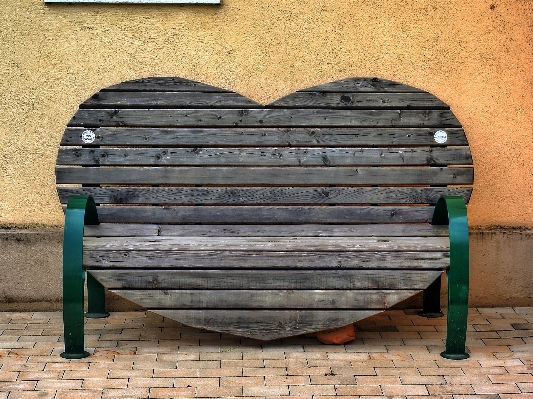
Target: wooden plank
(264, 195)
(310, 230)
(265, 299)
(265, 156)
(270, 244)
(266, 279)
(158, 99)
(274, 117)
(364, 85)
(265, 214)
(231, 176)
(266, 324)
(360, 100)
(259, 137)
(173, 84)
(99, 259)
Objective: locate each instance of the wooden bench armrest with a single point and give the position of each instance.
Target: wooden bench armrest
(451, 210)
(81, 211)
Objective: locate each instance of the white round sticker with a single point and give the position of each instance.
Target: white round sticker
(88, 136)
(440, 137)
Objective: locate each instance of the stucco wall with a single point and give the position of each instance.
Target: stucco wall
(475, 55)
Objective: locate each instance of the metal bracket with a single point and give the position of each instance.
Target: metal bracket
(451, 210)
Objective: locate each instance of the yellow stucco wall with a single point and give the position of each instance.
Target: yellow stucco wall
(475, 55)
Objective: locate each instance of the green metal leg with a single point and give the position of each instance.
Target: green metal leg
(95, 299)
(431, 304)
(452, 211)
(81, 210)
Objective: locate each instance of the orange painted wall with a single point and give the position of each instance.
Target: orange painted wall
(476, 55)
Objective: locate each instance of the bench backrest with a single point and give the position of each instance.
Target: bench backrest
(170, 150)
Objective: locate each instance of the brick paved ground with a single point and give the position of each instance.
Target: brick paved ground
(138, 355)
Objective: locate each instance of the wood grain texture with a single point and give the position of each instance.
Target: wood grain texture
(266, 279)
(360, 100)
(264, 136)
(264, 195)
(270, 176)
(364, 85)
(265, 299)
(265, 156)
(266, 325)
(99, 259)
(232, 230)
(274, 117)
(270, 244)
(265, 214)
(173, 84)
(167, 99)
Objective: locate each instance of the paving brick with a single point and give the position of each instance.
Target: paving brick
(378, 380)
(423, 380)
(525, 387)
(287, 380)
(358, 390)
(188, 382)
(17, 385)
(495, 388)
(263, 371)
(441, 371)
(151, 382)
(218, 392)
(395, 390)
(241, 381)
(172, 393)
(39, 375)
(266, 391)
(513, 378)
(59, 384)
(28, 395)
(450, 389)
(128, 393)
(332, 380)
(118, 383)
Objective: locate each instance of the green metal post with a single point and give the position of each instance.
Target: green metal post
(451, 210)
(81, 210)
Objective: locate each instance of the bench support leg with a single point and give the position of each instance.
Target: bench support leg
(431, 304)
(95, 299)
(452, 211)
(81, 210)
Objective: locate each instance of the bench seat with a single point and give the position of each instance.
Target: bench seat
(311, 277)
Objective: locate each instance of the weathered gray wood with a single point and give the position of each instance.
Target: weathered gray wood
(265, 221)
(264, 195)
(266, 279)
(309, 230)
(364, 85)
(265, 214)
(360, 100)
(271, 244)
(272, 260)
(258, 137)
(265, 156)
(266, 324)
(158, 99)
(164, 84)
(263, 117)
(265, 299)
(228, 176)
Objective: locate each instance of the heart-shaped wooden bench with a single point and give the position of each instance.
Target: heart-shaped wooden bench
(313, 212)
